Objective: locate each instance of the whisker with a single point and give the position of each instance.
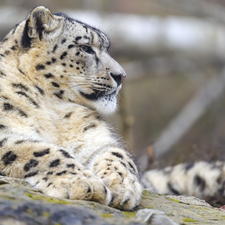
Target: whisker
(77, 76)
(92, 85)
(73, 83)
(99, 93)
(80, 86)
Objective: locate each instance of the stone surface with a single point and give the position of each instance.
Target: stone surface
(152, 216)
(20, 204)
(183, 210)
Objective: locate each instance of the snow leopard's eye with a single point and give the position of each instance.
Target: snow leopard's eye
(87, 49)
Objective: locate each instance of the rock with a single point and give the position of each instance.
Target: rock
(22, 205)
(156, 217)
(183, 210)
(190, 200)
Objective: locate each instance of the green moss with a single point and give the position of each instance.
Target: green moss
(47, 214)
(170, 215)
(8, 197)
(189, 220)
(149, 207)
(129, 215)
(93, 204)
(50, 200)
(106, 215)
(145, 193)
(175, 200)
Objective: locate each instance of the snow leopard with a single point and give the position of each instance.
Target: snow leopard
(57, 84)
(202, 179)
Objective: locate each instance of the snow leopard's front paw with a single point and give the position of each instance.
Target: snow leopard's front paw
(76, 185)
(120, 174)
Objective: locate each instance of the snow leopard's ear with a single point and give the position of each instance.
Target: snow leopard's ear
(41, 24)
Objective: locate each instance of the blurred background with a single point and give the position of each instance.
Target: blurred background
(172, 105)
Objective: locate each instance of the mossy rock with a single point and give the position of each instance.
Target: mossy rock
(20, 202)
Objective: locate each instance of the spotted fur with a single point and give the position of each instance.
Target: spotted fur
(56, 81)
(204, 180)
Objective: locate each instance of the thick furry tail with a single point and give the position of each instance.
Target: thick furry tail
(201, 179)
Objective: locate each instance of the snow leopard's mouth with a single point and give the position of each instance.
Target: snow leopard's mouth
(97, 94)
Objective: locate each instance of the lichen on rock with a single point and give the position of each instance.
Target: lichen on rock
(19, 202)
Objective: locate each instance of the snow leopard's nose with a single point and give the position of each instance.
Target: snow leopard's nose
(119, 78)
